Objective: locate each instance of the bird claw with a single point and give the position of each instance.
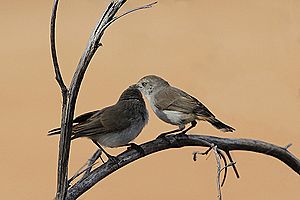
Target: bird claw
(136, 147)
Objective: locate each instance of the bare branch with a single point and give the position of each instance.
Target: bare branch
(91, 162)
(176, 141)
(233, 166)
(69, 102)
(215, 150)
(288, 146)
(225, 164)
(220, 154)
(86, 168)
(133, 10)
(58, 75)
(62, 170)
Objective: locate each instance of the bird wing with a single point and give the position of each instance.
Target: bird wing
(118, 117)
(85, 116)
(110, 119)
(173, 98)
(89, 124)
(79, 119)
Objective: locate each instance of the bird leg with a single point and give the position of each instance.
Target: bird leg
(163, 135)
(193, 124)
(136, 147)
(110, 157)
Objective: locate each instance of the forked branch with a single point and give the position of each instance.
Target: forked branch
(70, 96)
(91, 177)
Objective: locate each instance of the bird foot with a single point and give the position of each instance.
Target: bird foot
(136, 147)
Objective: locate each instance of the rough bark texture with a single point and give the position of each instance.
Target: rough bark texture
(176, 141)
(70, 95)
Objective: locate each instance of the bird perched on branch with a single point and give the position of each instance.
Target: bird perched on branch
(175, 106)
(113, 126)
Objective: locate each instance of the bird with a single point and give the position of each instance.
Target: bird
(113, 126)
(175, 106)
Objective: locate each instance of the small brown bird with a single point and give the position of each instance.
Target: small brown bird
(175, 106)
(113, 126)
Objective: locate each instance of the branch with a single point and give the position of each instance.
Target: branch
(90, 163)
(218, 159)
(63, 155)
(176, 141)
(69, 102)
(58, 75)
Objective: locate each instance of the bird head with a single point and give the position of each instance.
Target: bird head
(132, 92)
(151, 84)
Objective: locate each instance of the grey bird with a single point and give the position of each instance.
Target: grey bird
(175, 106)
(113, 126)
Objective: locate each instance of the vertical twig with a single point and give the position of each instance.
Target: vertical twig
(218, 159)
(62, 172)
(69, 101)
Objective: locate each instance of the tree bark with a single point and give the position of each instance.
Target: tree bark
(176, 141)
(70, 95)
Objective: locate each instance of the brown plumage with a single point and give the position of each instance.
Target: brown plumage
(113, 126)
(175, 106)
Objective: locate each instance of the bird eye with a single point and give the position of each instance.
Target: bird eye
(144, 84)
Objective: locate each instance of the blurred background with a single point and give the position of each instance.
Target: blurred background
(240, 58)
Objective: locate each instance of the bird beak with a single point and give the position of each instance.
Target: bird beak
(134, 86)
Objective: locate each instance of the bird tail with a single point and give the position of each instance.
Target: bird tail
(220, 125)
(54, 131)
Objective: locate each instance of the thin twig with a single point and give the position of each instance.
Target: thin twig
(58, 75)
(135, 9)
(233, 166)
(91, 162)
(124, 14)
(217, 156)
(81, 171)
(225, 164)
(220, 153)
(287, 146)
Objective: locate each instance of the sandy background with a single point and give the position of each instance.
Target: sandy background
(240, 58)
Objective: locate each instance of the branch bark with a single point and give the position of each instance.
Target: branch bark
(173, 141)
(70, 96)
(65, 137)
(176, 141)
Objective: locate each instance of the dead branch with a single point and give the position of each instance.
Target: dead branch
(218, 159)
(70, 96)
(87, 167)
(64, 144)
(91, 177)
(176, 141)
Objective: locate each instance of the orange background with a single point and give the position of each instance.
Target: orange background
(240, 58)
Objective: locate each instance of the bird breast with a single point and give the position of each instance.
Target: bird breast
(123, 137)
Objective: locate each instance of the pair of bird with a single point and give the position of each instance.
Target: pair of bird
(119, 124)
